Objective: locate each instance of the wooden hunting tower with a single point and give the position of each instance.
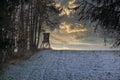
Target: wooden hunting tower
(46, 42)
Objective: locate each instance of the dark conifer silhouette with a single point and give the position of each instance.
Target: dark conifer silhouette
(105, 13)
(21, 24)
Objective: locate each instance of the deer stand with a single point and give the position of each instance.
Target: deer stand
(46, 42)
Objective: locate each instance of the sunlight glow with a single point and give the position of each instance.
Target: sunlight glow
(71, 4)
(67, 27)
(65, 11)
(58, 4)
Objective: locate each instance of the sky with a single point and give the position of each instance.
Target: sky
(73, 34)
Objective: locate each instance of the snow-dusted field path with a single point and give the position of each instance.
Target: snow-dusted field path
(67, 65)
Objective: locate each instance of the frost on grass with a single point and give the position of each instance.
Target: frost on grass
(67, 65)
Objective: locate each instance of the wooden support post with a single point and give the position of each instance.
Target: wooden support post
(46, 42)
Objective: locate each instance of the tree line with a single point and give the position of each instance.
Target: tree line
(103, 14)
(21, 24)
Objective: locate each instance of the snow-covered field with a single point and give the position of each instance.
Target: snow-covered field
(67, 65)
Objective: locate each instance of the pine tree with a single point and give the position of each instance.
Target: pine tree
(104, 13)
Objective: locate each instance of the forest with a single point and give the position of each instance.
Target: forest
(22, 22)
(21, 25)
(104, 14)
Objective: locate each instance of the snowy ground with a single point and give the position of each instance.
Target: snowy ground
(67, 65)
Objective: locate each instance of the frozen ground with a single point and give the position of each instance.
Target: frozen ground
(67, 65)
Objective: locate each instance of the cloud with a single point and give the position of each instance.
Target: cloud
(69, 21)
(66, 11)
(65, 4)
(71, 34)
(69, 42)
(72, 28)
